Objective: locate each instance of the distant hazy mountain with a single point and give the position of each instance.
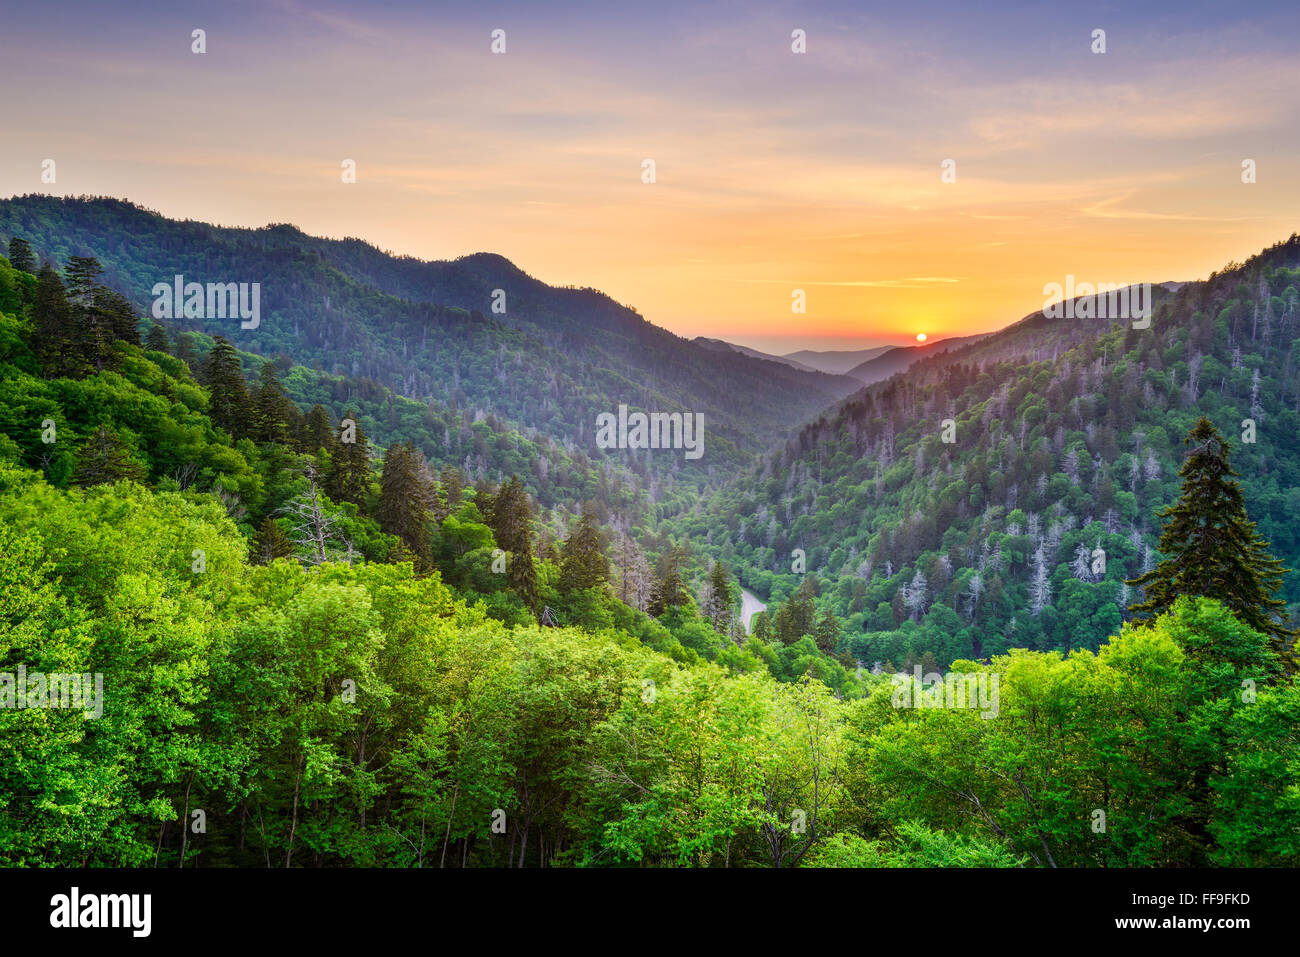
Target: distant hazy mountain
(893, 359)
(835, 362)
(723, 345)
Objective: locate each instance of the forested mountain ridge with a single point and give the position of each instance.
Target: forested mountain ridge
(955, 510)
(721, 345)
(553, 361)
(899, 358)
(837, 360)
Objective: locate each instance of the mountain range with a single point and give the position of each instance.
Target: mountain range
(836, 361)
(865, 365)
(940, 496)
(476, 333)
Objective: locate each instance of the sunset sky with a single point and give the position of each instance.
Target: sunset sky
(775, 170)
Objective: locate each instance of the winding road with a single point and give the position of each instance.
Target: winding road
(749, 607)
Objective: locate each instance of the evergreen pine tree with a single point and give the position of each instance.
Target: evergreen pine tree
(51, 316)
(827, 632)
(485, 499)
(317, 430)
(91, 331)
(348, 479)
(669, 590)
(104, 459)
(718, 607)
(272, 409)
(1213, 549)
(404, 500)
(186, 352)
(156, 339)
(512, 526)
(21, 256)
(118, 315)
(511, 516)
(582, 563)
(451, 485)
(83, 274)
(224, 376)
(269, 543)
(453, 480)
(798, 616)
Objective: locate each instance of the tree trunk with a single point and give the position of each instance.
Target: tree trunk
(185, 820)
(293, 823)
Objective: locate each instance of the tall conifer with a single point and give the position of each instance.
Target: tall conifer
(224, 376)
(669, 590)
(1211, 548)
(582, 563)
(104, 459)
(512, 526)
(348, 479)
(404, 500)
(52, 318)
(21, 256)
(269, 543)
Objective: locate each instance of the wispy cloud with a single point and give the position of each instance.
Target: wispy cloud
(769, 164)
(1104, 209)
(915, 282)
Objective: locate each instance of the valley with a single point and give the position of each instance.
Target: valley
(228, 524)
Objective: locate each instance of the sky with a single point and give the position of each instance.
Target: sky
(774, 171)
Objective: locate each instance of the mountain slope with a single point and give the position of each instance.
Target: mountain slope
(1065, 438)
(553, 361)
(836, 362)
(721, 345)
(887, 363)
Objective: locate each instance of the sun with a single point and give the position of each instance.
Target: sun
(920, 337)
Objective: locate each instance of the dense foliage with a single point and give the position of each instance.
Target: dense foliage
(359, 714)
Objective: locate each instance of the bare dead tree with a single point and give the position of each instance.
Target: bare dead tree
(315, 530)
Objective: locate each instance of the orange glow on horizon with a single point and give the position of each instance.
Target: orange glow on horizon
(761, 187)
